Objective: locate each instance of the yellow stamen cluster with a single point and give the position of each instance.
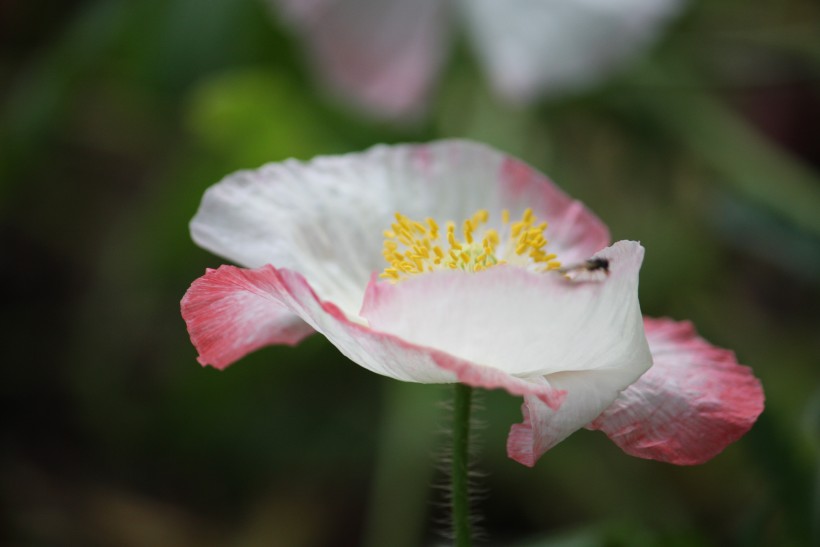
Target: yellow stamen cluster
(412, 247)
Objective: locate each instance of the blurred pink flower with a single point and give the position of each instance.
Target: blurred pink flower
(487, 304)
(384, 55)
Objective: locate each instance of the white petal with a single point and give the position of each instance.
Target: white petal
(524, 323)
(232, 311)
(325, 218)
(538, 47)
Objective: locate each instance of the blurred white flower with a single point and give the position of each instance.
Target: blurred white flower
(383, 56)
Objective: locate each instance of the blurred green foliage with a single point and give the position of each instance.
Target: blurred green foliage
(254, 116)
(117, 115)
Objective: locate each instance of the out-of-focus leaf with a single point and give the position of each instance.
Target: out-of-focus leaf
(254, 116)
(404, 465)
(616, 534)
(39, 98)
(748, 163)
(762, 236)
(777, 453)
(812, 431)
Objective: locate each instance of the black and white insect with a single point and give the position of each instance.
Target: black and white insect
(594, 269)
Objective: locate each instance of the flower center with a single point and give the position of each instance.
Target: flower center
(413, 247)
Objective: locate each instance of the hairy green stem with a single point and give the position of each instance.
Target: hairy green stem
(461, 464)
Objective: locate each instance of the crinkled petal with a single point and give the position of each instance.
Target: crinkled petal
(587, 394)
(232, 311)
(525, 323)
(381, 55)
(533, 47)
(694, 401)
(324, 218)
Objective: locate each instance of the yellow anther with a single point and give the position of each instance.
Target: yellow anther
(405, 240)
(468, 231)
(451, 239)
(410, 246)
(433, 228)
(481, 216)
(492, 237)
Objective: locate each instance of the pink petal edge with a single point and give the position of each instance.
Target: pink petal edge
(232, 311)
(574, 231)
(522, 442)
(228, 315)
(693, 402)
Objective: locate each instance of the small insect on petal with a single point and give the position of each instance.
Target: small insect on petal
(595, 269)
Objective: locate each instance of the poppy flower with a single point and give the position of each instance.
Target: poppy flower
(384, 56)
(452, 262)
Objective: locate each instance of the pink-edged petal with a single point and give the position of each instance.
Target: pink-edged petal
(587, 393)
(381, 55)
(526, 323)
(231, 311)
(693, 402)
(574, 232)
(585, 339)
(533, 48)
(324, 218)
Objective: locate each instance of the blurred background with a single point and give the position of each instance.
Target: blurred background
(115, 116)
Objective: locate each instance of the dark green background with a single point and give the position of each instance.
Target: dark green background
(115, 116)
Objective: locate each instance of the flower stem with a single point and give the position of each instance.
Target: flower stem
(461, 442)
